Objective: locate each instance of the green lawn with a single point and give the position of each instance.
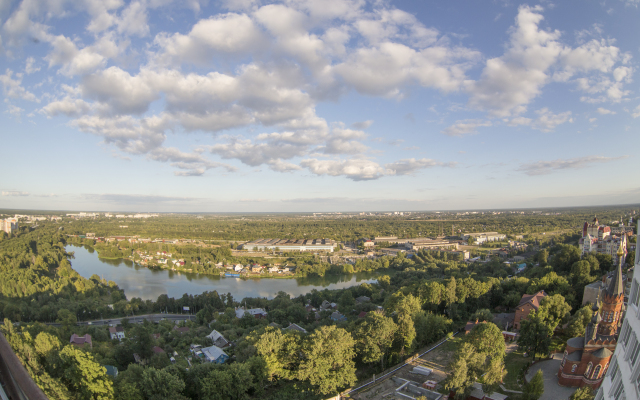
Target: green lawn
(514, 363)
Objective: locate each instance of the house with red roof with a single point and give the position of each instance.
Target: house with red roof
(81, 341)
(528, 303)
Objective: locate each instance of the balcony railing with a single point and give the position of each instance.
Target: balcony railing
(15, 380)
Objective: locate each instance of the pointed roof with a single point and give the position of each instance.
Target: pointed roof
(616, 286)
(602, 353)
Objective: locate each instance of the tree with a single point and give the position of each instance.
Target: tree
(487, 338)
(552, 310)
(141, 342)
(579, 322)
(535, 335)
(66, 318)
(88, 378)
(279, 351)
(482, 315)
(406, 332)
(542, 257)
(159, 384)
(232, 383)
(584, 393)
(327, 361)
(534, 389)
(374, 337)
(464, 370)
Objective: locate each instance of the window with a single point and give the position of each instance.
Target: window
(588, 371)
(633, 357)
(634, 293)
(626, 334)
(573, 369)
(596, 373)
(618, 392)
(613, 371)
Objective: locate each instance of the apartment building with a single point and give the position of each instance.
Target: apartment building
(622, 381)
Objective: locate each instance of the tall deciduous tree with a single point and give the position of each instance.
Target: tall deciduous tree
(87, 377)
(534, 389)
(374, 337)
(535, 335)
(328, 359)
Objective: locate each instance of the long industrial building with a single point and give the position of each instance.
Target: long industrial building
(291, 245)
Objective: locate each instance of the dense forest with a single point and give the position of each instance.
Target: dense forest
(230, 227)
(423, 298)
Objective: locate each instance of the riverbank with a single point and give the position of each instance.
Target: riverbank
(139, 281)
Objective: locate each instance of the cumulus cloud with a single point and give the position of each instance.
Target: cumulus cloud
(547, 167)
(535, 57)
(465, 127)
(636, 112)
(13, 87)
(30, 66)
(604, 111)
(355, 169)
(548, 121)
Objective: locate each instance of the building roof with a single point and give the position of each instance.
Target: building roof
(533, 299)
(213, 352)
(295, 327)
(602, 353)
(616, 286)
(157, 350)
(115, 329)
(75, 339)
(362, 314)
(575, 356)
(576, 342)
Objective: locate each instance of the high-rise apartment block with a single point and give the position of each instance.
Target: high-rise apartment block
(622, 380)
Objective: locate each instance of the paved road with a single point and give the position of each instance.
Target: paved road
(136, 319)
(552, 391)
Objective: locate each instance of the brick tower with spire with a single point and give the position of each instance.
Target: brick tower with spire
(613, 300)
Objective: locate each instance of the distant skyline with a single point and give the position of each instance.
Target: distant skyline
(318, 105)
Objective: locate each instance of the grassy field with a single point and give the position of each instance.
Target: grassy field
(514, 363)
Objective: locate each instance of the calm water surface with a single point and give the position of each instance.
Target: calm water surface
(138, 281)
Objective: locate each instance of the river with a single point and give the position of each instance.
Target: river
(139, 281)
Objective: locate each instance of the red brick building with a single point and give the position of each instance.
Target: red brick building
(528, 303)
(586, 359)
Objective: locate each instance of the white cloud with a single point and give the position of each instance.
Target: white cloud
(509, 83)
(465, 127)
(227, 33)
(362, 124)
(411, 165)
(13, 87)
(547, 167)
(354, 169)
(14, 110)
(133, 19)
(604, 111)
(14, 193)
(67, 106)
(548, 121)
(30, 67)
(636, 112)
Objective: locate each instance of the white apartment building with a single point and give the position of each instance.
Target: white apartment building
(622, 381)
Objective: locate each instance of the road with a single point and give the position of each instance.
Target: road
(136, 319)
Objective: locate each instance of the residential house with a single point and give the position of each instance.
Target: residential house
(363, 299)
(218, 340)
(215, 355)
(256, 269)
(157, 350)
(273, 270)
(295, 327)
(116, 332)
(528, 303)
(81, 341)
(362, 314)
(258, 313)
(336, 316)
(181, 330)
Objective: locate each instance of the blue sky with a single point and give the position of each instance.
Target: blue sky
(318, 105)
